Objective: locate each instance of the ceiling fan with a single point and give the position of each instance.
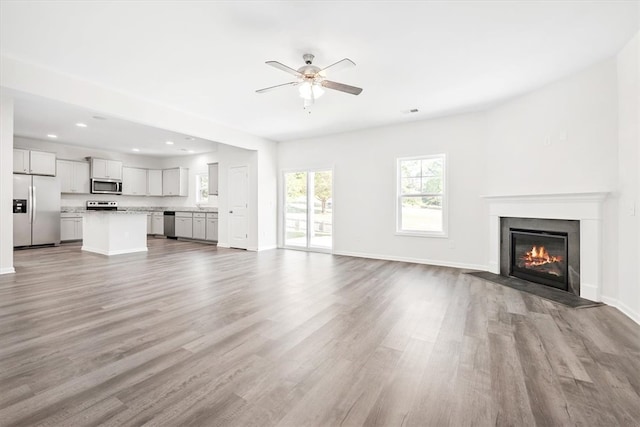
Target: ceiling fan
(311, 80)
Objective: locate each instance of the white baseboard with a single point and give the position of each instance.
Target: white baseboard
(109, 253)
(631, 314)
(223, 245)
(7, 270)
(439, 263)
(267, 248)
(589, 292)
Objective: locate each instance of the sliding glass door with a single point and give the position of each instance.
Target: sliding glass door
(308, 210)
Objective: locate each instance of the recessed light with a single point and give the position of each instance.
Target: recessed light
(191, 151)
(99, 117)
(50, 135)
(81, 125)
(169, 142)
(135, 149)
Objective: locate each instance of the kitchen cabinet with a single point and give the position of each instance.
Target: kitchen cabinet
(70, 227)
(175, 182)
(157, 223)
(34, 162)
(106, 169)
(42, 163)
(20, 160)
(134, 181)
(184, 224)
(154, 182)
(74, 176)
(212, 227)
(213, 179)
(199, 226)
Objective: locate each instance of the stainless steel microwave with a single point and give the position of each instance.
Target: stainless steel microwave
(106, 186)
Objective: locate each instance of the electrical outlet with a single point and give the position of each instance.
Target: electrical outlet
(547, 141)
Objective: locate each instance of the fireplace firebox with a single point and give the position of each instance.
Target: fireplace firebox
(543, 251)
(539, 256)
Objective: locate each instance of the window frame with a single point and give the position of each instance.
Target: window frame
(198, 201)
(445, 205)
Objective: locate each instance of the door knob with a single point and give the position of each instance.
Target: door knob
(230, 211)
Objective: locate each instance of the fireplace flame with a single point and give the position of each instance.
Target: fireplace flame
(539, 256)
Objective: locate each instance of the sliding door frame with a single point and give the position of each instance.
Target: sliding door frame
(310, 206)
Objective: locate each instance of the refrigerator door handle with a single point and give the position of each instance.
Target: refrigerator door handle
(33, 204)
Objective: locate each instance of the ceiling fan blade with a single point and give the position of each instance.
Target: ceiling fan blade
(284, 68)
(340, 65)
(341, 87)
(267, 89)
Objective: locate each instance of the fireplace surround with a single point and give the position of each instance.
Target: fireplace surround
(586, 208)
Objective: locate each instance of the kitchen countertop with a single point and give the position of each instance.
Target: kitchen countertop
(116, 212)
(77, 209)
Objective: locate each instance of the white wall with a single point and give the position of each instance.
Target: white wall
(267, 198)
(6, 183)
(557, 139)
(364, 182)
(628, 76)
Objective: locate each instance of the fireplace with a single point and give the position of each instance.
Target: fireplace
(543, 251)
(539, 256)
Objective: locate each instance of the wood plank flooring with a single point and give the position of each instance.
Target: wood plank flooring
(193, 335)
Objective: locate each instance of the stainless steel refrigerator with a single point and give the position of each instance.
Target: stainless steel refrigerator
(36, 210)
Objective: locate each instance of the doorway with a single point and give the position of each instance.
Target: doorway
(308, 210)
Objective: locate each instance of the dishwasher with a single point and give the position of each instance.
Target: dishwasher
(170, 224)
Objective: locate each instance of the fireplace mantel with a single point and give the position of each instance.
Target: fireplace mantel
(585, 207)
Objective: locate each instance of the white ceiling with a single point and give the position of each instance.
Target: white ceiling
(36, 117)
(207, 58)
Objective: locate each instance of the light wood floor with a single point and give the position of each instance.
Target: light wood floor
(189, 334)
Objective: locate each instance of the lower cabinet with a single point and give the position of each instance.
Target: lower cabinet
(157, 223)
(199, 226)
(70, 227)
(184, 224)
(212, 227)
(149, 223)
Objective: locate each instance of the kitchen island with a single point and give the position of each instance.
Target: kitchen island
(114, 232)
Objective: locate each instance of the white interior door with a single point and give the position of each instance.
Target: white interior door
(238, 204)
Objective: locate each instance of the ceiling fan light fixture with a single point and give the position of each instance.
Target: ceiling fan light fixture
(310, 90)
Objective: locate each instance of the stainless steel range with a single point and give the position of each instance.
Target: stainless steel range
(102, 205)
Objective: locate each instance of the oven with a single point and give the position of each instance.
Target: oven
(102, 205)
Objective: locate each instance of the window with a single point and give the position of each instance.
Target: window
(202, 188)
(421, 195)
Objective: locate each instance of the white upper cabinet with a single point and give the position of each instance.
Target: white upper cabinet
(213, 179)
(42, 163)
(175, 182)
(73, 176)
(154, 182)
(134, 181)
(20, 160)
(106, 169)
(34, 162)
